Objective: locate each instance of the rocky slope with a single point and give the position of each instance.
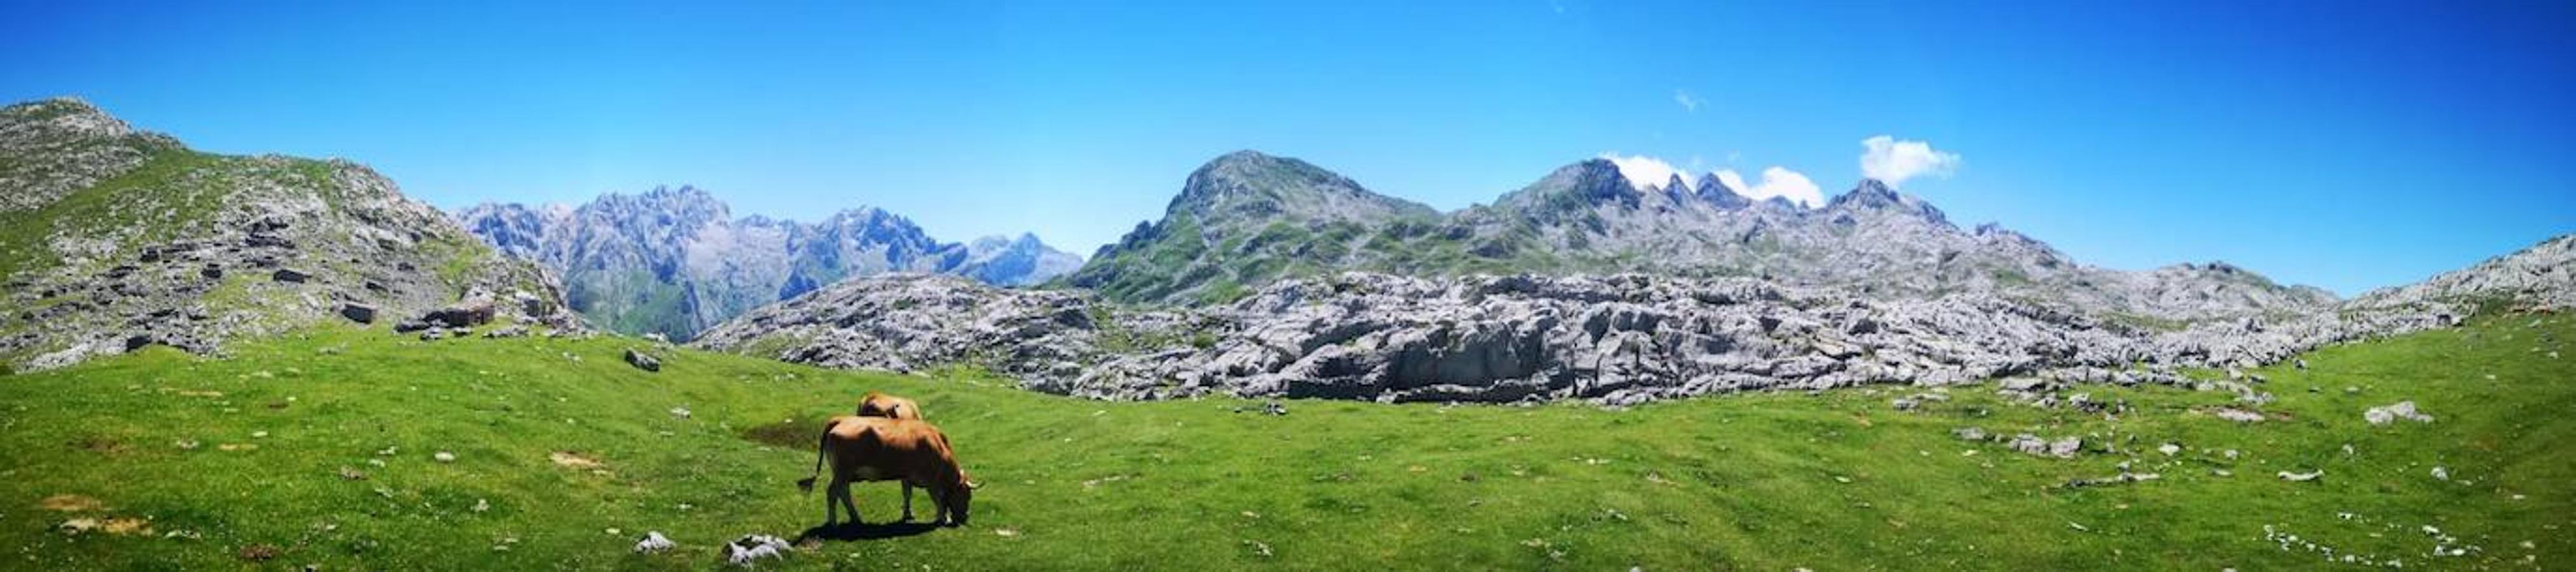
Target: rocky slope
(1615, 339)
(1588, 218)
(113, 238)
(675, 261)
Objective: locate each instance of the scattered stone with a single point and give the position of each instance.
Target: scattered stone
(2440, 473)
(2123, 477)
(512, 331)
(2237, 415)
(642, 361)
(290, 275)
(1969, 433)
(751, 548)
(2386, 414)
(77, 526)
(481, 505)
(680, 412)
(444, 457)
(347, 473)
(653, 541)
(2302, 363)
(2302, 477)
(2169, 449)
(2032, 444)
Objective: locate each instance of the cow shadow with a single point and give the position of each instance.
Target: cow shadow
(848, 531)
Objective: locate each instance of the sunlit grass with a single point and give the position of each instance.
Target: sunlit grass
(1831, 481)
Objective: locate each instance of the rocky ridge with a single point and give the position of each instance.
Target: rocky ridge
(676, 261)
(1215, 245)
(1617, 339)
(112, 239)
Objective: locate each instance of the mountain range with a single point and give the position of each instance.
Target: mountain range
(1246, 219)
(674, 261)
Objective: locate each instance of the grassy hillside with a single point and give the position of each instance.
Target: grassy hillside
(277, 450)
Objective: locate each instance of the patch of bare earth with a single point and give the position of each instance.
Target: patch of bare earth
(71, 503)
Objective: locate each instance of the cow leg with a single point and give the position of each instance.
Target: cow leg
(907, 501)
(831, 506)
(841, 493)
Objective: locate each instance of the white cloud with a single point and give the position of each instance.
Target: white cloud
(1690, 102)
(1643, 171)
(1776, 182)
(1892, 161)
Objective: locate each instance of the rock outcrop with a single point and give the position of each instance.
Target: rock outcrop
(676, 261)
(1616, 339)
(117, 239)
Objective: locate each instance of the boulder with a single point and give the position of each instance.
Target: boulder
(642, 361)
(360, 313)
(468, 313)
(290, 275)
(2390, 413)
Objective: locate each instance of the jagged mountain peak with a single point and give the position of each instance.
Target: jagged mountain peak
(1716, 192)
(1676, 184)
(1872, 194)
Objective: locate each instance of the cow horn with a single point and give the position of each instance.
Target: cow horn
(972, 485)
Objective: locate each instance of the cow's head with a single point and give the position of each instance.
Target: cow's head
(964, 495)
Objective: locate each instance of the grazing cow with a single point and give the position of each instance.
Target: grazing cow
(882, 405)
(864, 449)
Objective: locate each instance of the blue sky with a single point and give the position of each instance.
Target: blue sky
(2347, 145)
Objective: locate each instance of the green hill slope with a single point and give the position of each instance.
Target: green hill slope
(318, 448)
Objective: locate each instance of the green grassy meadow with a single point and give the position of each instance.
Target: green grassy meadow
(317, 449)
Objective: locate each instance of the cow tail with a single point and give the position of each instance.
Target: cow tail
(820, 443)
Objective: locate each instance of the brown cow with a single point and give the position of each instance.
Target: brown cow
(876, 404)
(864, 449)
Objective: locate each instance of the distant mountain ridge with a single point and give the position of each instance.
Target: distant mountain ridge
(675, 261)
(1589, 218)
